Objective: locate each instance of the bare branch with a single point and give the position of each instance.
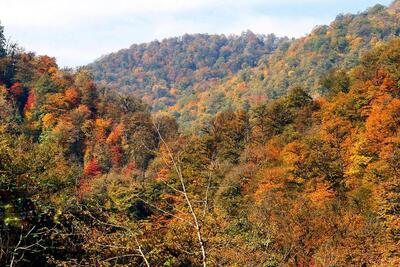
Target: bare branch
(188, 201)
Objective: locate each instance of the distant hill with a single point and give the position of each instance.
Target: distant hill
(338, 45)
(195, 76)
(159, 71)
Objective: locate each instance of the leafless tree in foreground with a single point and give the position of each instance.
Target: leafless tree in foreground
(195, 221)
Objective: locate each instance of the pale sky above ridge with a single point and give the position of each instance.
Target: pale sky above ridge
(78, 32)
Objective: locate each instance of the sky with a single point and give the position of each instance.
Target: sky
(77, 32)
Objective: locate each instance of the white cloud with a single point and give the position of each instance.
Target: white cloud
(79, 31)
(282, 26)
(55, 13)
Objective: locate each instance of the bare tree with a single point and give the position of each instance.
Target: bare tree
(27, 244)
(195, 221)
(127, 229)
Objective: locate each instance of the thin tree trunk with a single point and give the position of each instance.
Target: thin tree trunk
(196, 223)
(141, 252)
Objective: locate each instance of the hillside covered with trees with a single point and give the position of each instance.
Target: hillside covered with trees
(160, 71)
(90, 176)
(258, 68)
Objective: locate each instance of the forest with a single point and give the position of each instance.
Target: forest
(194, 77)
(207, 150)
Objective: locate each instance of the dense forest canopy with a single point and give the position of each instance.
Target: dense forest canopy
(90, 176)
(196, 76)
(159, 71)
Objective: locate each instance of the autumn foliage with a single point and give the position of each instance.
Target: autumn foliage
(285, 159)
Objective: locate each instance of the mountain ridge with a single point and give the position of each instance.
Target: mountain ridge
(151, 70)
(272, 65)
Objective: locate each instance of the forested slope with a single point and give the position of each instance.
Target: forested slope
(249, 68)
(161, 70)
(305, 62)
(90, 177)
